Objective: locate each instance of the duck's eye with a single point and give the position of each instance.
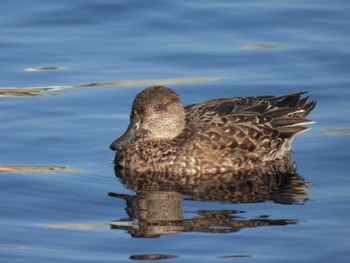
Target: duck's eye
(161, 107)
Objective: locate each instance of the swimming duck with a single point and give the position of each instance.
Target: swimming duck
(216, 136)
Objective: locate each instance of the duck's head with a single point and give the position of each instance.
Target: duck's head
(157, 114)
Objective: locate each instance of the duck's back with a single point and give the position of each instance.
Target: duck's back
(241, 132)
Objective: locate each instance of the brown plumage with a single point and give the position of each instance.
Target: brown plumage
(215, 136)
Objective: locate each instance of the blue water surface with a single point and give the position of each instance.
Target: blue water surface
(207, 49)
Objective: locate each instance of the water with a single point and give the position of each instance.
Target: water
(58, 209)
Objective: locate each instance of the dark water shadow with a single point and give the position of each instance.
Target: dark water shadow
(157, 207)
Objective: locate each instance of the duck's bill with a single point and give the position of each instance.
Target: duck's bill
(123, 141)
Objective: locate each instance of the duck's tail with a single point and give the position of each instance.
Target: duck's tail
(289, 113)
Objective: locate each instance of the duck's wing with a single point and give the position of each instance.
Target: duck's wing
(286, 113)
(282, 101)
(257, 126)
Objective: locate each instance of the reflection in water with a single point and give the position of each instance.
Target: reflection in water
(37, 169)
(235, 256)
(156, 209)
(76, 226)
(35, 91)
(152, 257)
(38, 91)
(44, 68)
(338, 131)
(257, 46)
(11, 247)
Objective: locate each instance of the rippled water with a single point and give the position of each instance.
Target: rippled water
(69, 73)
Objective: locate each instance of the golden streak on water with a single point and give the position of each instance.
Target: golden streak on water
(150, 82)
(77, 226)
(37, 91)
(37, 169)
(333, 131)
(257, 46)
(11, 247)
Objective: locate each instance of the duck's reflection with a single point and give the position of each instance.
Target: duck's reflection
(156, 209)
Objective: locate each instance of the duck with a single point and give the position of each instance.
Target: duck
(216, 136)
